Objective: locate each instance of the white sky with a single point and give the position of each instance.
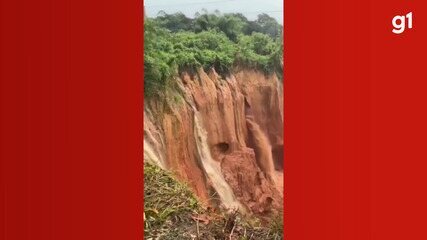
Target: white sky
(250, 8)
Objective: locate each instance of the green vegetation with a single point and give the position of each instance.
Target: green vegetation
(164, 197)
(232, 24)
(174, 43)
(172, 212)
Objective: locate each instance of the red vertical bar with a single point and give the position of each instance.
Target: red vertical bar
(71, 120)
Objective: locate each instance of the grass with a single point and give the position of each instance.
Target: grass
(171, 211)
(165, 197)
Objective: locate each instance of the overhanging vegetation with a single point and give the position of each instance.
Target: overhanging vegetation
(174, 43)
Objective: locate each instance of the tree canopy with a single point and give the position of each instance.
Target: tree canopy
(232, 24)
(174, 43)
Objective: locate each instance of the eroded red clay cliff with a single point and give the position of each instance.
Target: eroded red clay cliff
(224, 106)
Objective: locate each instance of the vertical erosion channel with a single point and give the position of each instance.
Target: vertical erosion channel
(211, 167)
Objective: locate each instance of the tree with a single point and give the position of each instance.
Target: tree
(175, 22)
(205, 21)
(269, 25)
(231, 25)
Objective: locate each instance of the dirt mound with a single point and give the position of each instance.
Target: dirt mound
(249, 183)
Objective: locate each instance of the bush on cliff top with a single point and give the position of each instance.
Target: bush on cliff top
(210, 40)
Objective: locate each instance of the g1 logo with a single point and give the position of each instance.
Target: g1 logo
(399, 23)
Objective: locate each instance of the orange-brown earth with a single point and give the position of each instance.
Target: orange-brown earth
(242, 121)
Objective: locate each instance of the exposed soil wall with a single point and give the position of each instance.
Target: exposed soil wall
(252, 169)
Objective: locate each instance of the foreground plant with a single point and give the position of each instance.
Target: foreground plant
(171, 211)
